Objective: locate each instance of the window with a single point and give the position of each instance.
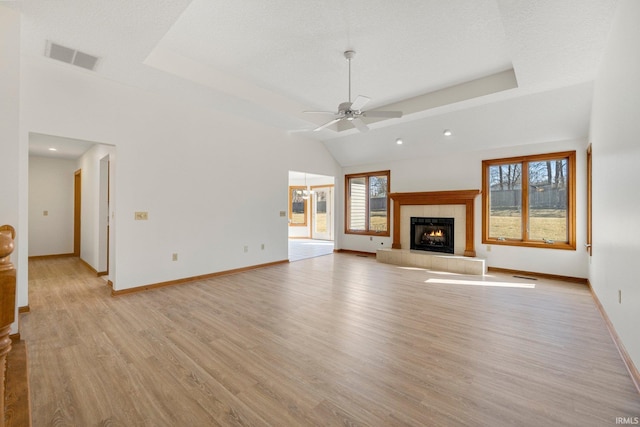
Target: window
(530, 201)
(298, 206)
(367, 203)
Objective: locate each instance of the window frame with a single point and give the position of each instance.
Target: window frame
(293, 188)
(524, 241)
(347, 207)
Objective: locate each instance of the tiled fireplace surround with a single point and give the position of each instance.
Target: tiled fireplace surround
(450, 204)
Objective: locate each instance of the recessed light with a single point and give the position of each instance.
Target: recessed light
(447, 132)
(53, 149)
(399, 141)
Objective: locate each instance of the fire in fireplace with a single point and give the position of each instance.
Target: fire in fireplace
(432, 234)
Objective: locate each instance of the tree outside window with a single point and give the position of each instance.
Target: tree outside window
(530, 201)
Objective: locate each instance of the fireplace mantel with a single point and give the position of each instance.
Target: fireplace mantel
(457, 197)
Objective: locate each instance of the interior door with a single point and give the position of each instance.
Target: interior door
(77, 211)
(589, 203)
(322, 213)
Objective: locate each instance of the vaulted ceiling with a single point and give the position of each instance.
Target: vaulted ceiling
(495, 72)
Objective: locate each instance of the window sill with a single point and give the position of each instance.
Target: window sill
(369, 233)
(530, 244)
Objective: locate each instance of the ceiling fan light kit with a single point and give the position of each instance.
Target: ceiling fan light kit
(352, 111)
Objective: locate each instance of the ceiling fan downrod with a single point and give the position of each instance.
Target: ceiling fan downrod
(349, 54)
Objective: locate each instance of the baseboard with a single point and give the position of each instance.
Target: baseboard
(86, 264)
(300, 237)
(358, 253)
(115, 293)
(24, 309)
(35, 257)
(631, 367)
(541, 275)
(102, 273)
(15, 337)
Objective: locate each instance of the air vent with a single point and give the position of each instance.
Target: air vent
(71, 56)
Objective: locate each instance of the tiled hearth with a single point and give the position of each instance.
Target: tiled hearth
(432, 261)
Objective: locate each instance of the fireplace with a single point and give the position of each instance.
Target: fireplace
(432, 234)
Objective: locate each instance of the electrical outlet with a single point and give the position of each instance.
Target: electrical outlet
(45, 213)
(371, 238)
(283, 213)
(141, 216)
(174, 257)
(488, 248)
(262, 246)
(246, 248)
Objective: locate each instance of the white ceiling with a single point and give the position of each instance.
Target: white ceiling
(57, 147)
(270, 60)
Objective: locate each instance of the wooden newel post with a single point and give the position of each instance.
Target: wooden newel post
(7, 305)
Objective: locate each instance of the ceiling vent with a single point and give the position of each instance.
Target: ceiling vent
(71, 56)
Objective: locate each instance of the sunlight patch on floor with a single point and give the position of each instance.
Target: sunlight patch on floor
(443, 273)
(446, 273)
(480, 283)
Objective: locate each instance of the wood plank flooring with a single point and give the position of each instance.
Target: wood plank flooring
(338, 340)
(17, 408)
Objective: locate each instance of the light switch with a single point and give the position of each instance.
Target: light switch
(45, 213)
(142, 216)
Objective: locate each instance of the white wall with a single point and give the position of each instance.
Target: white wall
(463, 171)
(615, 135)
(211, 182)
(10, 141)
(50, 190)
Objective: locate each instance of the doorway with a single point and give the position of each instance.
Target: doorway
(322, 212)
(311, 215)
(70, 200)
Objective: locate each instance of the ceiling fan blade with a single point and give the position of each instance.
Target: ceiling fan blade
(360, 125)
(359, 103)
(326, 125)
(385, 114)
(321, 112)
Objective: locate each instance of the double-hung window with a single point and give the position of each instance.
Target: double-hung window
(367, 203)
(530, 201)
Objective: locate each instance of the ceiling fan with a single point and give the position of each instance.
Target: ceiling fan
(352, 111)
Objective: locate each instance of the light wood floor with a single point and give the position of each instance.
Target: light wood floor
(308, 248)
(333, 340)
